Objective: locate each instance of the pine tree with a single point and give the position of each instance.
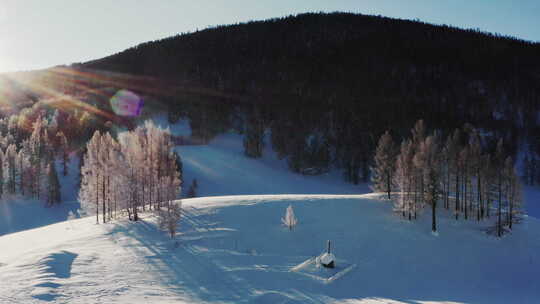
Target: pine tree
(534, 173)
(526, 169)
(53, 185)
(254, 136)
(192, 190)
(385, 161)
(64, 153)
(179, 165)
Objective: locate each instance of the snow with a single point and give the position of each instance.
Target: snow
(531, 197)
(221, 168)
(232, 247)
(235, 250)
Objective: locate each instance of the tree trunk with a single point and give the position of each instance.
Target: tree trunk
(457, 194)
(479, 202)
(388, 177)
(499, 224)
(433, 216)
(97, 199)
(103, 210)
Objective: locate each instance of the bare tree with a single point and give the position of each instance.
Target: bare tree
(168, 219)
(403, 179)
(385, 160)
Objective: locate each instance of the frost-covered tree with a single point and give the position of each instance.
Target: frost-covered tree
(488, 177)
(513, 192)
(89, 193)
(11, 174)
(499, 163)
(403, 180)
(464, 168)
(476, 163)
(454, 149)
(39, 152)
(427, 171)
(427, 161)
(138, 171)
(289, 220)
(168, 219)
(385, 161)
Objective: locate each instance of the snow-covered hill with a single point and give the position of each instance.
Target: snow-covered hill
(234, 250)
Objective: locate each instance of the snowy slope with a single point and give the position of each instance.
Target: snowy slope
(221, 168)
(234, 250)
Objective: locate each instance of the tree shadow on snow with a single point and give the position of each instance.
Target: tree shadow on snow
(241, 254)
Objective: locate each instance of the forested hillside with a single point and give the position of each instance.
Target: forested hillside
(324, 87)
(339, 80)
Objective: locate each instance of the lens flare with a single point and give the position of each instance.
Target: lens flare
(126, 103)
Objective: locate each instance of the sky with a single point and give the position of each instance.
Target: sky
(39, 34)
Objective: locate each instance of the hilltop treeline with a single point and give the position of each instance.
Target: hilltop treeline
(321, 88)
(327, 85)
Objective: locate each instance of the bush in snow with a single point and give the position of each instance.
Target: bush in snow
(168, 219)
(289, 220)
(71, 216)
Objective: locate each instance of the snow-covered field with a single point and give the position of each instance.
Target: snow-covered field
(234, 250)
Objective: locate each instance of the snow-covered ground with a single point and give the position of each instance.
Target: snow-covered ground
(234, 250)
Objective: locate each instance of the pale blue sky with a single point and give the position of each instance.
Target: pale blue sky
(42, 33)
